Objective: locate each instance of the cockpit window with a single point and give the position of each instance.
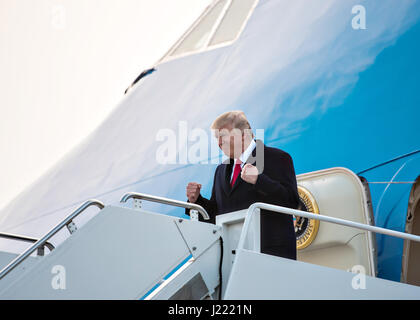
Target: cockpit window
(233, 21)
(199, 37)
(221, 24)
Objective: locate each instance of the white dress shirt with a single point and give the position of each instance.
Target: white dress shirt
(244, 156)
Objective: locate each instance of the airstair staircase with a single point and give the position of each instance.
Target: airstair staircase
(125, 253)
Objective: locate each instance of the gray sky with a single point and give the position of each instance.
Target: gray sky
(65, 65)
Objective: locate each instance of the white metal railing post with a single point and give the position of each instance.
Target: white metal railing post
(20, 258)
(172, 202)
(279, 209)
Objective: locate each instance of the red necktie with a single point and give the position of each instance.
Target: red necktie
(236, 172)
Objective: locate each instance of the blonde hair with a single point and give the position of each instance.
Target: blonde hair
(235, 118)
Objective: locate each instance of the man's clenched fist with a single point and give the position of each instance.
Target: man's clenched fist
(249, 173)
(193, 191)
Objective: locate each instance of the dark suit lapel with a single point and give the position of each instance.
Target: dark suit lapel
(227, 171)
(237, 183)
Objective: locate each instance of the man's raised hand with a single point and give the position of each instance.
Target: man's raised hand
(249, 173)
(193, 191)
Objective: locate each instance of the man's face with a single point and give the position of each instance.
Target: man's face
(231, 141)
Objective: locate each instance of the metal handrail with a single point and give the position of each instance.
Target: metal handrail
(15, 262)
(279, 209)
(12, 236)
(176, 203)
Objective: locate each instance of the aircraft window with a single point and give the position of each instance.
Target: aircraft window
(221, 24)
(199, 36)
(233, 21)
